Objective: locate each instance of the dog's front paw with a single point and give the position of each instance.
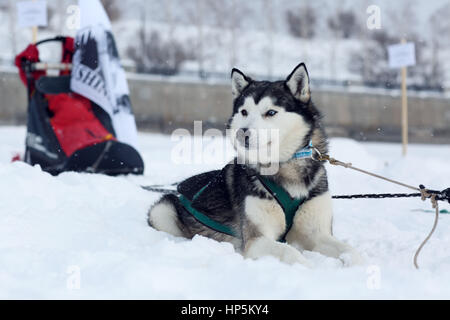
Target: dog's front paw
(292, 256)
(351, 258)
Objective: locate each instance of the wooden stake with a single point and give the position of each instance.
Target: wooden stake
(34, 33)
(404, 110)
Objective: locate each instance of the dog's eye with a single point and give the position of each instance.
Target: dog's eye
(244, 113)
(271, 113)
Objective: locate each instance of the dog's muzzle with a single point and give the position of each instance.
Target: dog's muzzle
(243, 137)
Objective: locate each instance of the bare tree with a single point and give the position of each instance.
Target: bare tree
(112, 9)
(372, 61)
(228, 15)
(269, 13)
(61, 12)
(155, 53)
(50, 14)
(302, 22)
(4, 5)
(344, 24)
(194, 14)
(439, 26)
(172, 54)
(12, 25)
(200, 32)
(153, 58)
(404, 21)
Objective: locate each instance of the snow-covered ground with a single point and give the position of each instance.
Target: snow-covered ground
(92, 228)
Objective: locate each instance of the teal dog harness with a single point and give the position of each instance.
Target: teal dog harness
(288, 204)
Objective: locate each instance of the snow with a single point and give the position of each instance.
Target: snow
(53, 229)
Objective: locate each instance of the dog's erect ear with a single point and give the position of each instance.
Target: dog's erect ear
(239, 81)
(298, 83)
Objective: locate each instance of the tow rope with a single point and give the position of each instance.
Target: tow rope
(424, 194)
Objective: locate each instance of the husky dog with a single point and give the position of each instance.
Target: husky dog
(237, 198)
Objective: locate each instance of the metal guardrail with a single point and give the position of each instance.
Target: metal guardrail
(318, 82)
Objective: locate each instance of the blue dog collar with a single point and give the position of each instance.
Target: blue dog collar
(305, 152)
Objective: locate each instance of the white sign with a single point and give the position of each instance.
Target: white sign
(402, 55)
(32, 13)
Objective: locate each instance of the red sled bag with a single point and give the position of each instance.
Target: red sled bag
(65, 131)
(74, 123)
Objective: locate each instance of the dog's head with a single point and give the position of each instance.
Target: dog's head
(271, 120)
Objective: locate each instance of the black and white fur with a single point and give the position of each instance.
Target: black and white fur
(237, 198)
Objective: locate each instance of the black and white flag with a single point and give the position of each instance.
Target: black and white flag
(97, 72)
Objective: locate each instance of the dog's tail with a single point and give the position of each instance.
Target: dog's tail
(163, 216)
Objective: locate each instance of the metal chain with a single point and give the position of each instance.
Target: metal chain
(379, 196)
(441, 196)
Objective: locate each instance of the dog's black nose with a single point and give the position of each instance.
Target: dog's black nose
(243, 132)
(247, 142)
